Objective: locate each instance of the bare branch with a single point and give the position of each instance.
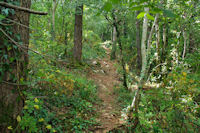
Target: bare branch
(4, 4)
(23, 48)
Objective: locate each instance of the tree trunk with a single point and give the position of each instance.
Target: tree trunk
(115, 24)
(66, 34)
(125, 29)
(143, 45)
(53, 20)
(114, 44)
(136, 99)
(164, 42)
(151, 32)
(138, 44)
(157, 40)
(122, 58)
(192, 43)
(185, 44)
(14, 67)
(78, 33)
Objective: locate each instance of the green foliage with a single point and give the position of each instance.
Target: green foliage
(57, 111)
(193, 60)
(174, 107)
(124, 96)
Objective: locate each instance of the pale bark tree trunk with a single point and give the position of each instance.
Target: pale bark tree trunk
(151, 32)
(136, 99)
(185, 44)
(78, 33)
(143, 45)
(157, 39)
(164, 41)
(11, 99)
(114, 44)
(138, 44)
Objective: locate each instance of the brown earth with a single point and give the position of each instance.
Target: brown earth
(106, 78)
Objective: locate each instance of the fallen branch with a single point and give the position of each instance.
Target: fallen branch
(10, 83)
(4, 4)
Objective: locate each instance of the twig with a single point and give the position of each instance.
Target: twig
(4, 4)
(154, 70)
(19, 46)
(13, 83)
(4, 24)
(111, 23)
(26, 48)
(19, 23)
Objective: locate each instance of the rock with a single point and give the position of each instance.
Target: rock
(94, 63)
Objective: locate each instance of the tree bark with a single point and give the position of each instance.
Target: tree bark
(116, 25)
(151, 32)
(138, 44)
(53, 19)
(185, 44)
(164, 42)
(66, 37)
(143, 45)
(114, 44)
(4, 4)
(11, 101)
(157, 39)
(136, 100)
(122, 58)
(78, 30)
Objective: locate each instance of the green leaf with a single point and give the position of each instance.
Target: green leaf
(150, 17)
(133, 4)
(108, 6)
(5, 11)
(141, 15)
(2, 17)
(156, 10)
(136, 8)
(169, 14)
(115, 1)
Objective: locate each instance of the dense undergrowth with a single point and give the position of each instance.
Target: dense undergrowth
(60, 98)
(172, 107)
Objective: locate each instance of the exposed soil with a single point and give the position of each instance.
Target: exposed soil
(106, 78)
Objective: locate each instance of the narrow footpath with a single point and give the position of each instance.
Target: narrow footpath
(106, 79)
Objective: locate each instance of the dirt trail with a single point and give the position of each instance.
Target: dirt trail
(106, 78)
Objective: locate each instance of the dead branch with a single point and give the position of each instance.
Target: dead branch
(4, 4)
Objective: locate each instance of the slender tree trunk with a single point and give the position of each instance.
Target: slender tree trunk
(11, 99)
(143, 45)
(164, 42)
(185, 44)
(122, 58)
(192, 43)
(114, 44)
(66, 37)
(78, 30)
(157, 40)
(151, 32)
(136, 99)
(53, 20)
(138, 44)
(125, 28)
(115, 24)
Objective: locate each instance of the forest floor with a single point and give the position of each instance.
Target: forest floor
(106, 78)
